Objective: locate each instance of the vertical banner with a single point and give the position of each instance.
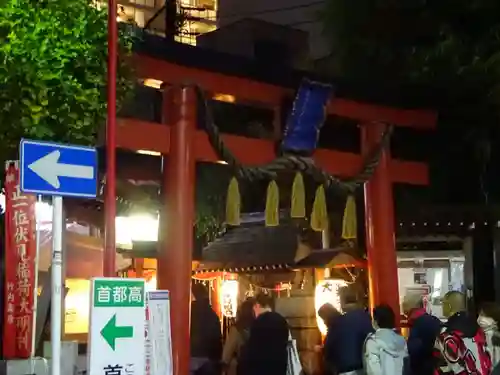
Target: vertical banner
(147, 348)
(20, 248)
(159, 339)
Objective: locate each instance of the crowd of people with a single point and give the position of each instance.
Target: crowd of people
(357, 343)
(257, 343)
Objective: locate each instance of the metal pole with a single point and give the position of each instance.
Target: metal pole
(110, 194)
(35, 288)
(56, 300)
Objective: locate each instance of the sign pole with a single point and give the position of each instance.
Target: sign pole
(56, 300)
(35, 287)
(110, 188)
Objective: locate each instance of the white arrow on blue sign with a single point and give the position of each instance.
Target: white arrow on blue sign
(58, 169)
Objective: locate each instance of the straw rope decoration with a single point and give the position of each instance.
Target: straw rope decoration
(302, 166)
(285, 163)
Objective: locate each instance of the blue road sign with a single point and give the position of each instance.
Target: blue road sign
(58, 169)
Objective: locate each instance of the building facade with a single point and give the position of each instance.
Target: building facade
(299, 14)
(202, 16)
(195, 16)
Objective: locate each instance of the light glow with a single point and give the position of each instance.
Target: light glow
(153, 83)
(151, 284)
(327, 291)
(77, 306)
(229, 298)
(135, 228)
(224, 98)
(148, 152)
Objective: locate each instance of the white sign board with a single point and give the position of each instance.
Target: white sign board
(159, 341)
(117, 319)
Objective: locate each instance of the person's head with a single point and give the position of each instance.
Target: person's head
(383, 317)
(411, 302)
(263, 303)
(349, 299)
(199, 292)
(328, 313)
(245, 315)
(453, 302)
(489, 315)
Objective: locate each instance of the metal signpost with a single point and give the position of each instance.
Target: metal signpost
(58, 170)
(117, 316)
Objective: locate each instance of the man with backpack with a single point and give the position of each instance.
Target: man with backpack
(461, 346)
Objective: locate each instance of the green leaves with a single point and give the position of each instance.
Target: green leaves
(53, 57)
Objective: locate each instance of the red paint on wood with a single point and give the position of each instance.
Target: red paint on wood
(245, 89)
(380, 233)
(141, 135)
(176, 228)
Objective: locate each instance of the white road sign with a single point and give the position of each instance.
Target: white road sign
(117, 319)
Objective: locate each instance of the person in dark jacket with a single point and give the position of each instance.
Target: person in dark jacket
(266, 349)
(424, 329)
(206, 335)
(329, 315)
(343, 349)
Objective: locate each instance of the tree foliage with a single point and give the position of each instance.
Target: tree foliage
(417, 40)
(450, 45)
(53, 82)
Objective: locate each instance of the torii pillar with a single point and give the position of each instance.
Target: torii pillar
(177, 219)
(379, 223)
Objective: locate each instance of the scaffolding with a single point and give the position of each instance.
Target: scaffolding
(195, 17)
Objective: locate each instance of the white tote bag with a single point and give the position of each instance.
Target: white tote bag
(294, 366)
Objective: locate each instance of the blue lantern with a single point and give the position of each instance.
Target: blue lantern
(306, 118)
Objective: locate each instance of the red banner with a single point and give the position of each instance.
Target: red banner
(20, 248)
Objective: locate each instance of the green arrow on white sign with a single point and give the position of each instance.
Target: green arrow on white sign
(111, 332)
(117, 320)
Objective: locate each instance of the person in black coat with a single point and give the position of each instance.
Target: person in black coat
(206, 335)
(424, 329)
(266, 349)
(343, 350)
(329, 315)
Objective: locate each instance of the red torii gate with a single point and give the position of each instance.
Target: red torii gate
(185, 145)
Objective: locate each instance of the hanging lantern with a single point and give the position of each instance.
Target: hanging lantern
(229, 298)
(327, 291)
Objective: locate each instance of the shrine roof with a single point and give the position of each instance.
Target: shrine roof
(385, 92)
(253, 247)
(254, 244)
